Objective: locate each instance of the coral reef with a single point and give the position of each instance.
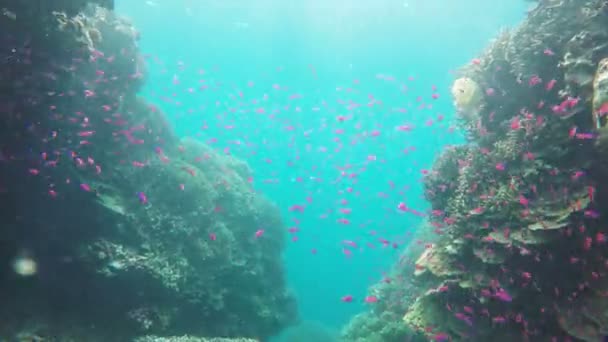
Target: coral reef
(131, 230)
(519, 210)
(190, 339)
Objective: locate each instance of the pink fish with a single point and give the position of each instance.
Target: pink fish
(591, 214)
(534, 80)
(502, 295)
(142, 198)
(440, 337)
(603, 110)
(499, 319)
(259, 233)
(464, 318)
(371, 299)
(350, 243)
(347, 299)
(86, 133)
(515, 124)
(297, 208)
(345, 210)
(577, 175)
(476, 211)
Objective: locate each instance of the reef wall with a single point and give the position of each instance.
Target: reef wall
(520, 209)
(112, 227)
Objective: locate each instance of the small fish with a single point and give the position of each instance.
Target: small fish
(499, 319)
(142, 197)
(86, 133)
(440, 337)
(502, 295)
(591, 214)
(476, 211)
(371, 299)
(347, 299)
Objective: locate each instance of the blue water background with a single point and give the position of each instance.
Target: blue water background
(314, 47)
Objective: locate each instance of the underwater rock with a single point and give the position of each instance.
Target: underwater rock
(582, 324)
(429, 310)
(35, 10)
(436, 262)
(489, 255)
(440, 182)
(602, 141)
(136, 232)
(600, 94)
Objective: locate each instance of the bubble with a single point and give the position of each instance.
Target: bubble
(25, 266)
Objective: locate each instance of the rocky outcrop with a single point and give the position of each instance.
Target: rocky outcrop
(522, 206)
(115, 227)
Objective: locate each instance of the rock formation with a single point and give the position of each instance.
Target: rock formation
(522, 205)
(115, 227)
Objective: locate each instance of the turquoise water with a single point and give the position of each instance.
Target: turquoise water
(304, 62)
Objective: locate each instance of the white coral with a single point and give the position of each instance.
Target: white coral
(467, 96)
